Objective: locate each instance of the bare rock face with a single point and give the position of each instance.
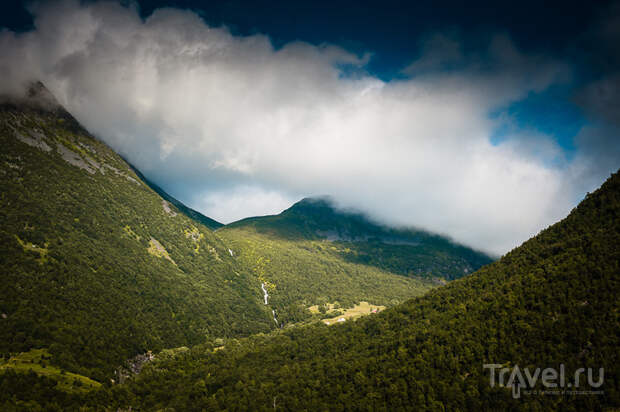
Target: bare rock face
(157, 249)
(133, 366)
(75, 159)
(167, 208)
(35, 139)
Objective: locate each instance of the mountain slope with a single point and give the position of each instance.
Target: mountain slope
(96, 266)
(316, 254)
(197, 216)
(552, 301)
(405, 251)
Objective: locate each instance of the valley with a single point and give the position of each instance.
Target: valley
(550, 301)
(318, 307)
(100, 265)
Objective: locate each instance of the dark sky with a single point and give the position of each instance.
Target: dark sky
(389, 29)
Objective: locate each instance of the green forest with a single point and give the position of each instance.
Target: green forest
(98, 267)
(352, 236)
(115, 296)
(551, 301)
(80, 277)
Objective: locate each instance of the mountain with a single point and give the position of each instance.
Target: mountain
(98, 267)
(317, 254)
(100, 271)
(405, 251)
(552, 303)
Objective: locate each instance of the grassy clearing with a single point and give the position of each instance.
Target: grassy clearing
(37, 360)
(359, 310)
(314, 309)
(299, 273)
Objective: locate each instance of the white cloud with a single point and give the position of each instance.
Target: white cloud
(242, 201)
(236, 128)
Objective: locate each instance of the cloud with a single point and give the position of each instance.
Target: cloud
(234, 127)
(242, 201)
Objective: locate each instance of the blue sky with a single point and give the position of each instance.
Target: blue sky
(481, 121)
(550, 112)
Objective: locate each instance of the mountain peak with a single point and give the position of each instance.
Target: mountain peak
(324, 213)
(35, 96)
(316, 201)
(406, 251)
(37, 93)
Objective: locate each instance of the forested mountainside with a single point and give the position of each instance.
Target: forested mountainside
(97, 267)
(552, 301)
(318, 254)
(354, 237)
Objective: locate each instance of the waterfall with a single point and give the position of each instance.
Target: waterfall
(262, 286)
(273, 312)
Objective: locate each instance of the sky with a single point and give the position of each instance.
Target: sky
(481, 122)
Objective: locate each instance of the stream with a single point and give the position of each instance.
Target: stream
(262, 286)
(266, 297)
(273, 311)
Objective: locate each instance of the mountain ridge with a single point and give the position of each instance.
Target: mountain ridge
(98, 267)
(552, 303)
(188, 211)
(406, 251)
(94, 267)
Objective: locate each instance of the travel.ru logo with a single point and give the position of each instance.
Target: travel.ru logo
(553, 380)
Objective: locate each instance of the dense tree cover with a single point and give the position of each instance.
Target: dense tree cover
(77, 275)
(352, 236)
(314, 253)
(554, 300)
(302, 273)
(97, 268)
(29, 391)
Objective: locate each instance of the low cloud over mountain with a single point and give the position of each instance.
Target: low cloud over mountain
(235, 127)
